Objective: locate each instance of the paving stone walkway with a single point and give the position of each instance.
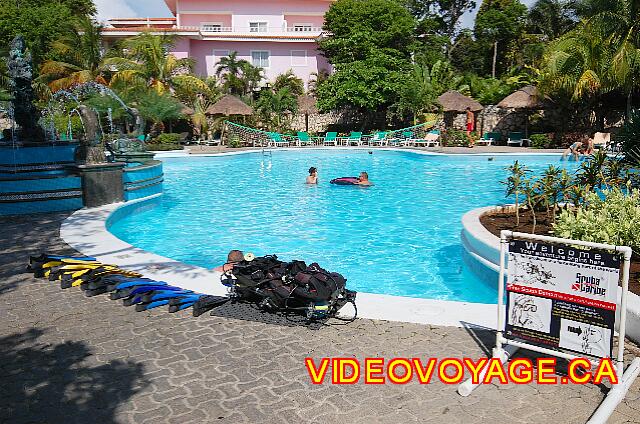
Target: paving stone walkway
(65, 358)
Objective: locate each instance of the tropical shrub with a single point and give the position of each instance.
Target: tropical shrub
(167, 138)
(234, 141)
(540, 141)
(613, 217)
(629, 138)
(163, 146)
(454, 138)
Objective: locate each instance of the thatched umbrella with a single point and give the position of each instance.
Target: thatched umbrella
(227, 106)
(307, 105)
(186, 110)
(453, 103)
(525, 99)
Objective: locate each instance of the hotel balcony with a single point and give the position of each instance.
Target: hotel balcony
(123, 27)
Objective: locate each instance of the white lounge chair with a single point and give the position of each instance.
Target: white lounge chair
(601, 140)
(378, 139)
(517, 139)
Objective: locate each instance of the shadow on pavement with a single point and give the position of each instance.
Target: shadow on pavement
(49, 383)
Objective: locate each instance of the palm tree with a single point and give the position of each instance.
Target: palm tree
(251, 77)
(290, 81)
(229, 70)
(620, 24)
(577, 65)
(276, 104)
(147, 62)
(159, 107)
(80, 58)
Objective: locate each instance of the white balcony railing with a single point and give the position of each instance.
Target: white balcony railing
(290, 30)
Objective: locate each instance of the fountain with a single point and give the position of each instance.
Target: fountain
(43, 171)
(20, 77)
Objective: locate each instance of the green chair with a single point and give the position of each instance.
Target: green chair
(355, 138)
(304, 138)
(331, 138)
(142, 137)
(486, 139)
(277, 140)
(517, 139)
(379, 138)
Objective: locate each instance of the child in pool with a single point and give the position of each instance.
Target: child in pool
(313, 176)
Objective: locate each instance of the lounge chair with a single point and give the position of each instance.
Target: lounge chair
(331, 138)
(305, 139)
(601, 140)
(488, 138)
(277, 140)
(407, 139)
(355, 138)
(517, 139)
(378, 138)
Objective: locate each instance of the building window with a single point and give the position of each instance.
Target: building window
(260, 59)
(257, 27)
(302, 28)
(298, 58)
(216, 27)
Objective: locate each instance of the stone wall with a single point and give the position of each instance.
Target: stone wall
(318, 122)
(495, 119)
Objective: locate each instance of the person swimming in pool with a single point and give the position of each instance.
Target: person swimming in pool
(233, 258)
(313, 176)
(363, 179)
(574, 150)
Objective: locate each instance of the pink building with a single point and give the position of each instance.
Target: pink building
(276, 35)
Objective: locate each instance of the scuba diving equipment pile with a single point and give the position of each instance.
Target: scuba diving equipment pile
(320, 297)
(289, 287)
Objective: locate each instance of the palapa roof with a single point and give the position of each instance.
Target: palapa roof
(186, 110)
(452, 101)
(229, 105)
(525, 98)
(307, 104)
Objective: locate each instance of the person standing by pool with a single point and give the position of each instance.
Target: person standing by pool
(363, 179)
(471, 120)
(313, 176)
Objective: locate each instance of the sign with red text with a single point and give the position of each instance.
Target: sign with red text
(562, 297)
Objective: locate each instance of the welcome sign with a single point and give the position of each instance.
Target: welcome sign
(562, 297)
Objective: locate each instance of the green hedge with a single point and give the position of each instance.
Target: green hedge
(540, 141)
(166, 138)
(455, 138)
(163, 146)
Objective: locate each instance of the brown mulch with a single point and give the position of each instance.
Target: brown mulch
(496, 221)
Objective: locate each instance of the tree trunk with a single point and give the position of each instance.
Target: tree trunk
(517, 212)
(495, 58)
(629, 104)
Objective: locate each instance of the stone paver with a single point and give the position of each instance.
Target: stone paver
(66, 358)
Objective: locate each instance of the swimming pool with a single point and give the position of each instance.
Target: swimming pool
(400, 237)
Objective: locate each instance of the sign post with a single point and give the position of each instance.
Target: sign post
(561, 300)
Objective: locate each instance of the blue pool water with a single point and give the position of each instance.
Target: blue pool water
(399, 237)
